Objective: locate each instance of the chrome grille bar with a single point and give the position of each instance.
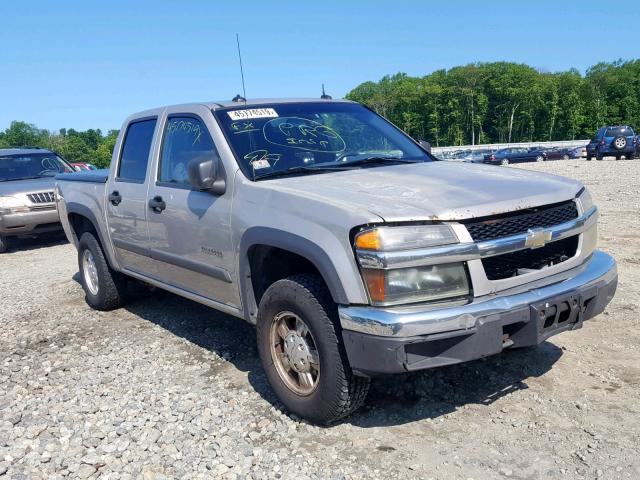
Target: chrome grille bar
(463, 252)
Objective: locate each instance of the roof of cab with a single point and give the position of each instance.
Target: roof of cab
(217, 105)
(23, 150)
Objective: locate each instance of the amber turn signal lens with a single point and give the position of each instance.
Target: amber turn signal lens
(376, 282)
(369, 240)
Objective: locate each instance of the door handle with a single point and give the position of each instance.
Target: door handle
(115, 198)
(157, 204)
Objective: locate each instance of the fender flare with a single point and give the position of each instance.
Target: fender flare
(83, 210)
(295, 244)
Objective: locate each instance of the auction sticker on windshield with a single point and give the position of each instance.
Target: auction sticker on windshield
(252, 113)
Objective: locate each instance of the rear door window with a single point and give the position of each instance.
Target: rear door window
(185, 138)
(135, 151)
(619, 132)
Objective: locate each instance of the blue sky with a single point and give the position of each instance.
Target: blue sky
(90, 64)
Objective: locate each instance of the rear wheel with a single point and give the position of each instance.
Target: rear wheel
(300, 346)
(504, 161)
(4, 244)
(588, 158)
(104, 288)
(539, 158)
(565, 157)
(599, 156)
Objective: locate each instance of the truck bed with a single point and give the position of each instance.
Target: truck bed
(90, 176)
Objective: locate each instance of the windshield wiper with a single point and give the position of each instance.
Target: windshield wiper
(376, 159)
(20, 178)
(297, 170)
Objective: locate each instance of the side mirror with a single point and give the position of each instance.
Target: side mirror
(425, 145)
(204, 175)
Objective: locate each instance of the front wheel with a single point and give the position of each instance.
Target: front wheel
(565, 157)
(300, 346)
(104, 288)
(504, 161)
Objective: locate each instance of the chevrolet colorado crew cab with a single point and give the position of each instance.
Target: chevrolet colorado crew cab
(352, 250)
(27, 202)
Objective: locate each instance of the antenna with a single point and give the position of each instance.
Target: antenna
(324, 96)
(244, 92)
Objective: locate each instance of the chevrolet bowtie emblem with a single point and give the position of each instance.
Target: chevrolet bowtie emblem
(537, 238)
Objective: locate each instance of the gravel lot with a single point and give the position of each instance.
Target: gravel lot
(166, 388)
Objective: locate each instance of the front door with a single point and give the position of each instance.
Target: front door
(190, 235)
(126, 202)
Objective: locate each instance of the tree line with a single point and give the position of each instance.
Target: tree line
(476, 103)
(506, 102)
(90, 146)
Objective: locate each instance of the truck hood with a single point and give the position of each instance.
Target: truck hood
(14, 187)
(433, 190)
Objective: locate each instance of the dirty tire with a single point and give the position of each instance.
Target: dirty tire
(112, 286)
(339, 392)
(4, 244)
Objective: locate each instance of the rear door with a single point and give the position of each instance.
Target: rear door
(126, 202)
(190, 238)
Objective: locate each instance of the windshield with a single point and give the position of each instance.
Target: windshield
(619, 132)
(31, 165)
(323, 135)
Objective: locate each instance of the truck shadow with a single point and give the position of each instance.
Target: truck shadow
(392, 400)
(23, 244)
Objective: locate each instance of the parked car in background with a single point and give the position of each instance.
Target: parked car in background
(613, 141)
(505, 156)
(27, 201)
(578, 152)
(475, 156)
(338, 236)
(556, 153)
(79, 166)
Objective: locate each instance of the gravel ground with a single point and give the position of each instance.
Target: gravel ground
(166, 388)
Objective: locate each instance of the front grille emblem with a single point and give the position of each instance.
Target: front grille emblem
(537, 238)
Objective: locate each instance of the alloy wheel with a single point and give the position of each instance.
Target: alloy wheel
(294, 353)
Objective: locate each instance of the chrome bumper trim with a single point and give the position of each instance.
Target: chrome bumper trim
(464, 252)
(429, 319)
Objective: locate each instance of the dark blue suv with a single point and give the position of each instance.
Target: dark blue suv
(612, 141)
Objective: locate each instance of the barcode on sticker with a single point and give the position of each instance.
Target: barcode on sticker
(252, 113)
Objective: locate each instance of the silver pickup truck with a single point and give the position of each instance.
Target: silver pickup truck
(353, 250)
(27, 202)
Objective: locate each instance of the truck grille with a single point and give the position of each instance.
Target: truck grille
(497, 226)
(513, 264)
(42, 197)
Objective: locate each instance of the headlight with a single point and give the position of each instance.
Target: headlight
(585, 200)
(418, 284)
(12, 205)
(389, 239)
(415, 284)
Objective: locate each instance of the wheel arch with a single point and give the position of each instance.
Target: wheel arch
(81, 220)
(258, 244)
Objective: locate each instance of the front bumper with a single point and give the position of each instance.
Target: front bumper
(34, 222)
(394, 340)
